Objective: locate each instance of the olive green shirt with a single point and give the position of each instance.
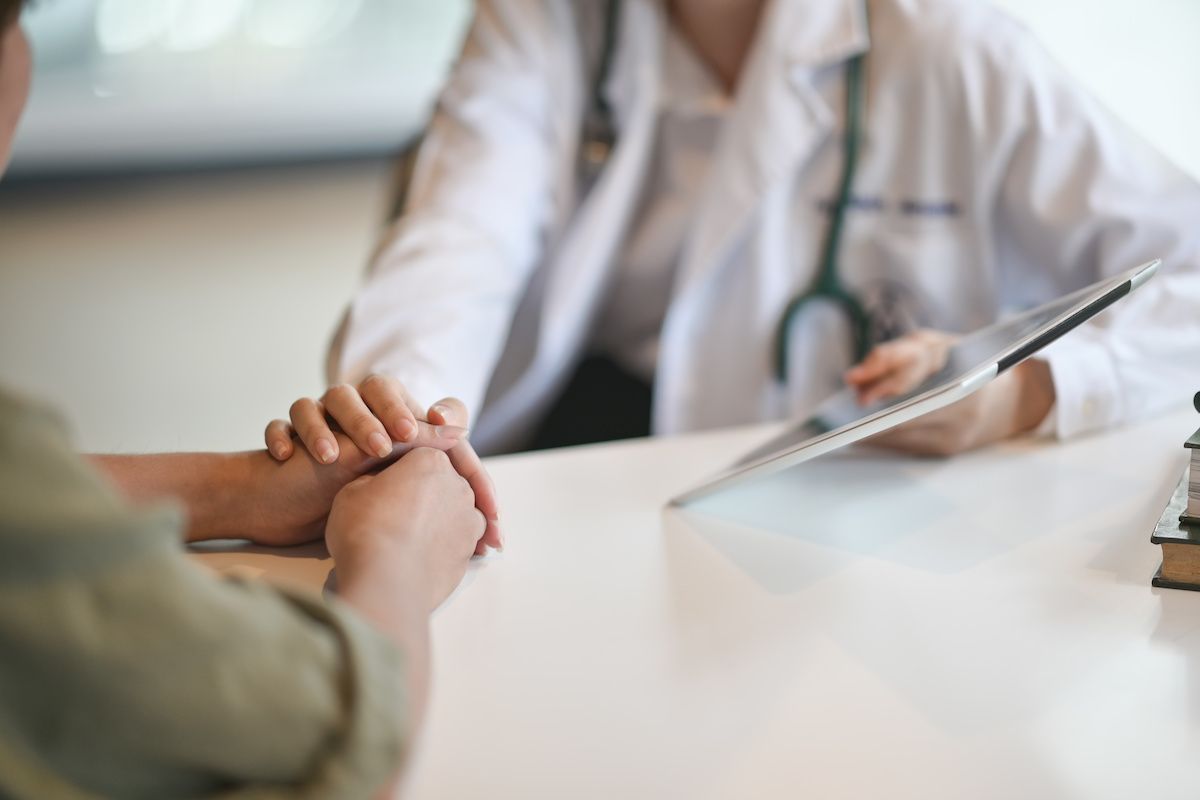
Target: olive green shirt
(128, 671)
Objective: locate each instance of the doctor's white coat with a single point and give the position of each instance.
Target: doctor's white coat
(988, 182)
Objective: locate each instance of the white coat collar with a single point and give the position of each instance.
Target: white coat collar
(779, 116)
(689, 87)
(792, 34)
(818, 32)
(779, 119)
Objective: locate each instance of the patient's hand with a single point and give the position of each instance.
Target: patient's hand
(375, 416)
(1014, 403)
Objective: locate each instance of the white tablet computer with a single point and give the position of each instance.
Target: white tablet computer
(973, 361)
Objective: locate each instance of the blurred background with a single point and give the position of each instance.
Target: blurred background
(197, 185)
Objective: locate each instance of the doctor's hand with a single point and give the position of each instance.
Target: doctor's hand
(377, 415)
(1014, 403)
(899, 366)
(374, 414)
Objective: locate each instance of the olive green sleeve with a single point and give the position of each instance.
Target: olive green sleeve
(129, 671)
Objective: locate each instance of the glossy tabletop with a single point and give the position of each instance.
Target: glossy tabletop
(864, 625)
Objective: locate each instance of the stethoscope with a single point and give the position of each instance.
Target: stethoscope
(827, 286)
(599, 136)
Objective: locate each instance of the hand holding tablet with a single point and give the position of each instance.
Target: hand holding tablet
(970, 363)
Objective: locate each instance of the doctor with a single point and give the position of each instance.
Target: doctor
(922, 160)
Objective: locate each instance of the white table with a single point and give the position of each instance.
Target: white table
(861, 626)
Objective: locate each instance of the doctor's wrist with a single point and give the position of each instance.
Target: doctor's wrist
(1035, 394)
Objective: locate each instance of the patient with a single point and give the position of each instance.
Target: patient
(128, 671)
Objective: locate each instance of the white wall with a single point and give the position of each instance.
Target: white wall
(180, 313)
(1140, 57)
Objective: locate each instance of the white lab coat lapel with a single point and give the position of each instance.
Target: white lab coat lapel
(584, 257)
(779, 121)
(580, 264)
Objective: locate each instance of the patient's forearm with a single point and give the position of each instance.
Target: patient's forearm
(211, 486)
(391, 592)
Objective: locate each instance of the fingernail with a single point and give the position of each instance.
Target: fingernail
(325, 451)
(406, 430)
(441, 409)
(279, 450)
(380, 444)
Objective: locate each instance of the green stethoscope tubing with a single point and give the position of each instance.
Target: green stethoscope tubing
(827, 286)
(600, 132)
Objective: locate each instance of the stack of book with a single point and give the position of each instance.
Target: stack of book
(1178, 529)
(1193, 493)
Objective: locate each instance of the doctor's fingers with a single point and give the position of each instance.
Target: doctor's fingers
(308, 419)
(344, 405)
(278, 437)
(898, 366)
(887, 368)
(449, 411)
(904, 379)
(392, 405)
(468, 464)
(926, 349)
